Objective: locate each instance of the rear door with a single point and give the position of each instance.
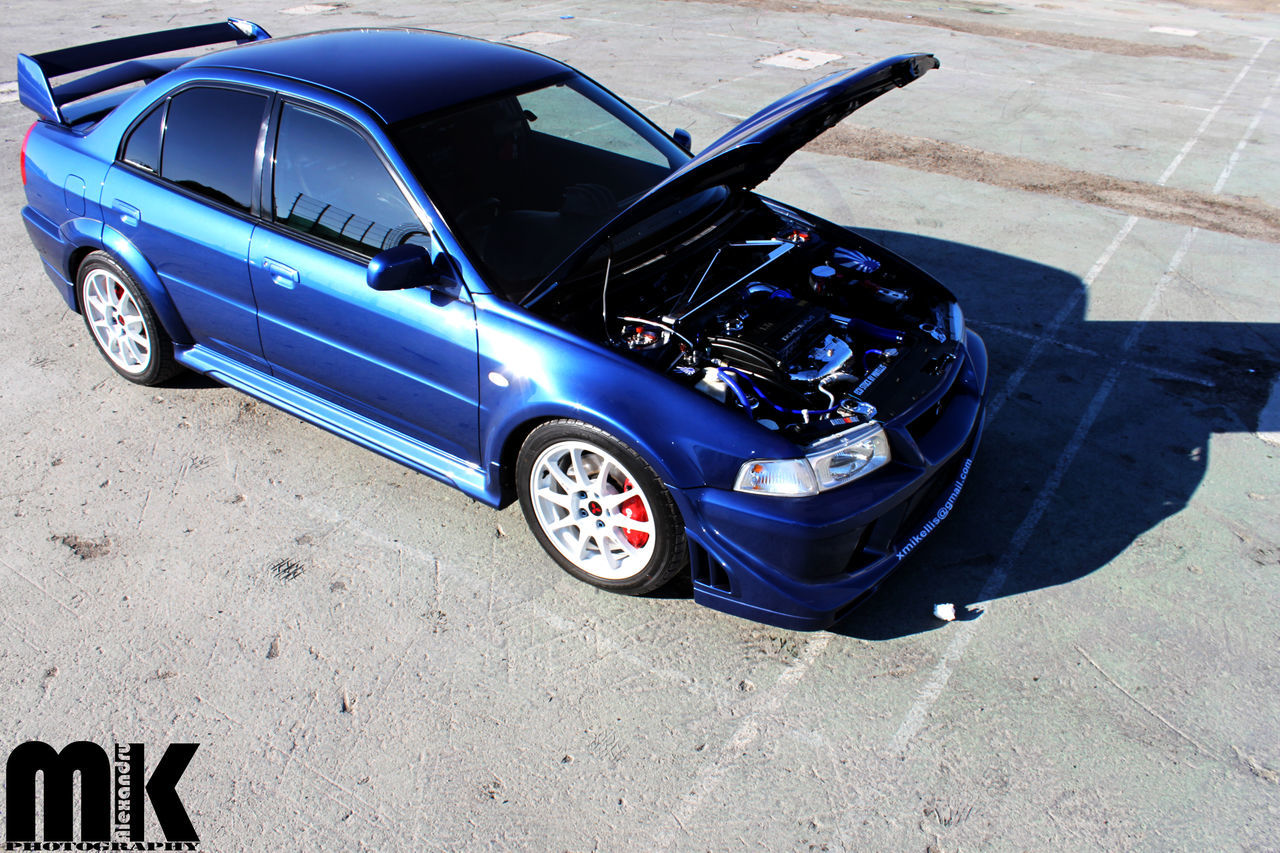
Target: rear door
(184, 200)
(407, 358)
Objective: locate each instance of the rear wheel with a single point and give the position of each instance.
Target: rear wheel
(598, 509)
(123, 323)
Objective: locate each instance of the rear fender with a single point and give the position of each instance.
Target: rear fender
(128, 256)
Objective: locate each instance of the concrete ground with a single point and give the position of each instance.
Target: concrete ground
(371, 661)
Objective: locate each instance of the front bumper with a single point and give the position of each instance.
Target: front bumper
(803, 563)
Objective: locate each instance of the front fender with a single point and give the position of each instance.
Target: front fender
(531, 371)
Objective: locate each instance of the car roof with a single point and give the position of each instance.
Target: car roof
(396, 73)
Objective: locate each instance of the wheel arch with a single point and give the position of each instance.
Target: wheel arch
(127, 255)
(503, 461)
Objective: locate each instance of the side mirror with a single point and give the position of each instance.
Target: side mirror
(408, 266)
(683, 138)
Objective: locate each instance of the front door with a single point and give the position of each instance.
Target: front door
(406, 359)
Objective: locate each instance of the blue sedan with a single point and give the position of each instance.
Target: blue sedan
(478, 262)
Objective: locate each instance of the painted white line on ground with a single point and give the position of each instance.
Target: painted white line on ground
(537, 38)
(1248, 134)
(1208, 119)
(1054, 85)
(319, 510)
(8, 92)
(746, 734)
(933, 688)
(719, 85)
(1065, 313)
(995, 582)
(1139, 365)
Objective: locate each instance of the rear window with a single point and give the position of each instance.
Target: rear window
(143, 147)
(210, 140)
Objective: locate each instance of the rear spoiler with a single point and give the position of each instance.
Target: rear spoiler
(34, 72)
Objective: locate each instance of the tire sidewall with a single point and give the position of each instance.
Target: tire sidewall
(669, 553)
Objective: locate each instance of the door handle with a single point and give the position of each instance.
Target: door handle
(285, 276)
(129, 214)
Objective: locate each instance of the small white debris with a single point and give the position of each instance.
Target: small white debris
(537, 38)
(1174, 31)
(802, 60)
(8, 92)
(945, 612)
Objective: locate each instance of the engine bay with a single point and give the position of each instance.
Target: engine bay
(804, 327)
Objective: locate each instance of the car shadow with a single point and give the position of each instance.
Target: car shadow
(1035, 513)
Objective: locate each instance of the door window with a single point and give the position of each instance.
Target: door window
(329, 183)
(210, 139)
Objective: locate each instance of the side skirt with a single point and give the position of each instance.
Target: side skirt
(396, 446)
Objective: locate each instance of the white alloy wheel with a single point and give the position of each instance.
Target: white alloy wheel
(117, 322)
(592, 509)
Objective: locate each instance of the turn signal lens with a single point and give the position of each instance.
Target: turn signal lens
(792, 477)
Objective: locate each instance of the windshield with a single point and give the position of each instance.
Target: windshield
(523, 179)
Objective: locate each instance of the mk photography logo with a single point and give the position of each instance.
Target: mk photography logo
(113, 797)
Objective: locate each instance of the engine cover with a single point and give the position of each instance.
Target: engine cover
(767, 336)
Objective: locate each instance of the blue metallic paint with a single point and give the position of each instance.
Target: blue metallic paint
(396, 74)
(406, 373)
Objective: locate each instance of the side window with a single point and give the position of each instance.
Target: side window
(210, 138)
(329, 183)
(143, 147)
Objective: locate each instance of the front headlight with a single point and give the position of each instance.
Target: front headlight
(857, 454)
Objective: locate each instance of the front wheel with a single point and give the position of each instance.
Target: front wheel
(123, 323)
(598, 509)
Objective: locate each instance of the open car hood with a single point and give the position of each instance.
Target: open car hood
(751, 152)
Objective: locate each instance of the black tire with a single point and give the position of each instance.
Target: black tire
(122, 322)
(621, 531)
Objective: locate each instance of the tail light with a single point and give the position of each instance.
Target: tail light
(22, 156)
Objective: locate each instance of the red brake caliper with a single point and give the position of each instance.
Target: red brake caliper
(633, 508)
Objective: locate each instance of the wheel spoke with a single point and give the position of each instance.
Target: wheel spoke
(566, 483)
(612, 501)
(619, 536)
(602, 475)
(580, 469)
(632, 524)
(610, 558)
(550, 495)
(130, 352)
(583, 543)
(565, 521)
